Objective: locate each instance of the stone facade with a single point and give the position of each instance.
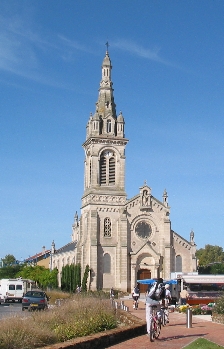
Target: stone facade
(122, 239)
(62, 257)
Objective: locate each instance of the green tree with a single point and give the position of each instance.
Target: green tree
(10, 272)
(210, 254)
(9, 260)
(213, 268)
(85, 278)
(42, 276)
(71, 277)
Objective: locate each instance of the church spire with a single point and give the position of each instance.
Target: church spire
(105, 140)
(105, 122)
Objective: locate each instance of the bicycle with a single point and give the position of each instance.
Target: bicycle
(165, 315)
(155, 324)
(135, 302)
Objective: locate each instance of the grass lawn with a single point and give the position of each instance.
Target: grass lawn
(202, 343)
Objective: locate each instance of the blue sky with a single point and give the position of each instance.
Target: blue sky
(167, 59)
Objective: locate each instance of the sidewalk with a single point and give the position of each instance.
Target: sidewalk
(174, 335)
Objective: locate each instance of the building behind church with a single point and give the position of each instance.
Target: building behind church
(122, 240)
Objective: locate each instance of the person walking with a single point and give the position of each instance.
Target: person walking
(184, 295)
(166, 302)
(168, 297)
(78, 289)
(112, 293)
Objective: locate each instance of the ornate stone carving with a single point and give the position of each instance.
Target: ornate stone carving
(105, 198)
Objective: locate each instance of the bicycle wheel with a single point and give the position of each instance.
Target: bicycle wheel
(157, 329)
(152, 331)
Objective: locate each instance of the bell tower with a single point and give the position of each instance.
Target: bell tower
(103, 223)
(105, 142)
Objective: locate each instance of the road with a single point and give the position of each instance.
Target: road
(11, 309)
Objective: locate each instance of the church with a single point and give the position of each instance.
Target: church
(122, 240)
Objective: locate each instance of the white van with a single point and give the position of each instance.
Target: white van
(11, 290)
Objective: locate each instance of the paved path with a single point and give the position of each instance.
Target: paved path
(175, 335)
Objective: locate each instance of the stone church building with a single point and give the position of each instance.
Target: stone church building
(121, 239)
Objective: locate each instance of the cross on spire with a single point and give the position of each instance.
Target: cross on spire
(107, 45)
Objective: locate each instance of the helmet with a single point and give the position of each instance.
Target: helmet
(167, 286)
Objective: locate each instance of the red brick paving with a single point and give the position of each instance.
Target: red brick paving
(174, 335)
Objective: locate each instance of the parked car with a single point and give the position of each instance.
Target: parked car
(35, 300)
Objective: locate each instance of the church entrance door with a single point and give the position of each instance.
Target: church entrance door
(143, 274)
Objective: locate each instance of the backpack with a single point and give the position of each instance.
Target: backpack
(159, 293)
(136, 290)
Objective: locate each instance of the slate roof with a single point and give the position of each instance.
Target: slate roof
(69, 247)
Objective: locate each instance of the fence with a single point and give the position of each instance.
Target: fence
(118, 305)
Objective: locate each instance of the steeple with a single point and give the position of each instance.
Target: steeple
(165, 198)
(105, 141)
(104, 121)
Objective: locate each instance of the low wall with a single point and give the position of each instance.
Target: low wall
(131, 327)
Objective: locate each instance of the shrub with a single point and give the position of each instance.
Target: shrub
(219, 305)
(183, 308)
(76, 317)
(196, 310)
(57, 294)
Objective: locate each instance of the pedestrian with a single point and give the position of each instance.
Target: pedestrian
(135, 295)
(112, 293)
(78, 289)
(166, 302)
(184, 295)
(168, 297)
(153, 297)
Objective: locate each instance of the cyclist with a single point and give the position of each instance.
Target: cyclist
(135, 296)
(153, 297)
(165, 302)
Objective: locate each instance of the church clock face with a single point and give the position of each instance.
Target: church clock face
(143, 230)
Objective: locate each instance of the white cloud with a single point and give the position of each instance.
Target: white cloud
(134, 48)
(23, 52)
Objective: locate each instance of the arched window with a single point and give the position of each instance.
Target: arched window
(107, 168)
(107, 263)
(107, 227)
(178, 264)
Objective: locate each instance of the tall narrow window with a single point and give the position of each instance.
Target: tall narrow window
(107, 227)
(101, 125)
(107, 263)
(111, 170)
(103, 169)
(108, 126)
(178, 263)
(90, 171)
(107, 168)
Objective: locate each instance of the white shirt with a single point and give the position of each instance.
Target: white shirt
(168, 293)
(135, 294)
